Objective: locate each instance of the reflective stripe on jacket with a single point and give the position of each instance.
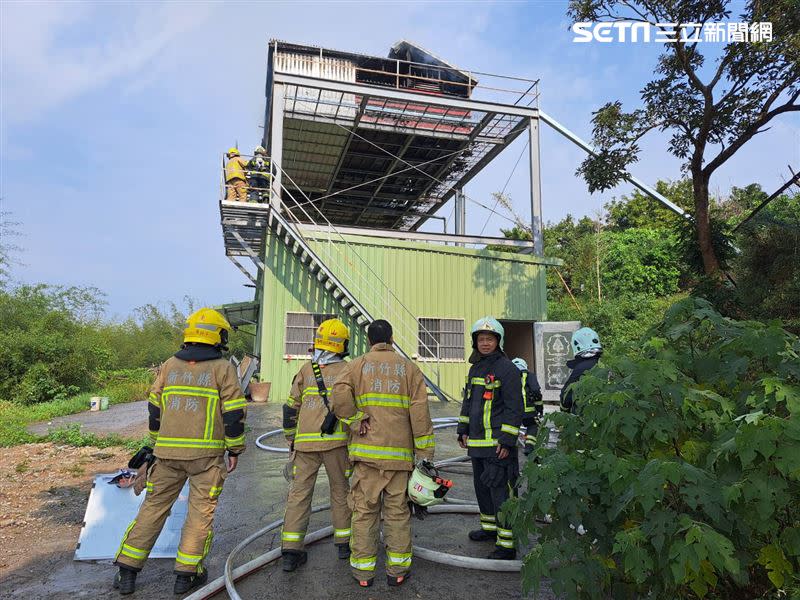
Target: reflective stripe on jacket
(304, 411)
(390, 390)
(492, 410)
(534, 405)
(197, 409)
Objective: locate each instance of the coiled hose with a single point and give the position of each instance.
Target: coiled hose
(452, 505)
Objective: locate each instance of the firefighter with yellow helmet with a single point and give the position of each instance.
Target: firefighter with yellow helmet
(317, 438)
(196, 419)
(236, 176)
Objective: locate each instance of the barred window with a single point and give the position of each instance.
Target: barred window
(300, 328)
(441, 339)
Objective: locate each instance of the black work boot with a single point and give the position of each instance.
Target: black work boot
(293, 559)
(481, 535)
(397, 581)
(125, 581)
(503, 554)
(188, 581)
(343, 550)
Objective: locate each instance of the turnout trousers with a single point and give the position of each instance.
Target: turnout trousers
(301, 491)
(236, 189)
(490, 499)
(372, 490)
(206, 477)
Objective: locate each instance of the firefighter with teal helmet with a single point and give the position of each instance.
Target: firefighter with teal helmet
(587, 349)
(534, 405)
(488, 427)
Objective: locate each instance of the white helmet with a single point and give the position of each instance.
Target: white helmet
(520, 364)
(425, 487)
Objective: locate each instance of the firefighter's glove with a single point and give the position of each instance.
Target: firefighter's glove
(494, 473)
(143, 456)
(418, 511)
(140, 481)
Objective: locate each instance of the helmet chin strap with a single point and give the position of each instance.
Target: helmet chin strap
(223, 340)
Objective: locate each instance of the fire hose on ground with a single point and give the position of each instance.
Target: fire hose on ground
(451, 506)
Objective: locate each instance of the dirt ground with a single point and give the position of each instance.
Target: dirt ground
(44, 489)
(43, 493)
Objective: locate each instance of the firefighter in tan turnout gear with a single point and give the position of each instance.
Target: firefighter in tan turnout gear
(386, 395)
(304, 415)
(197, 414)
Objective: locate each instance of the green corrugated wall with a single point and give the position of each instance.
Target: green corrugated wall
(430, 280)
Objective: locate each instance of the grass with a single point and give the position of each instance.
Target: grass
(14, 418)
(71, 435)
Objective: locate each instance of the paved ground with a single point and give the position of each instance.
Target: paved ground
(254, 496)
(127, 420)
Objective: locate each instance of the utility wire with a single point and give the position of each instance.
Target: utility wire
(510, 175)
(772, 197)
(377, 178)
(491, 210)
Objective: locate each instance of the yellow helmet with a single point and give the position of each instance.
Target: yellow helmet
(233, 152)
(206, 326)
(332, 335)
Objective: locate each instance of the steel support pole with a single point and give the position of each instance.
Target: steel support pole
(460, 213)
(536, 187)
(276, 143)
(649, 191)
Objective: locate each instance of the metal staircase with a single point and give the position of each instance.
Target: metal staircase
(359, 291)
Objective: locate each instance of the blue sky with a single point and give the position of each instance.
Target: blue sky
(113, 118)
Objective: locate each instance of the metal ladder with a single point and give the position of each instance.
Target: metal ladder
(347, 288)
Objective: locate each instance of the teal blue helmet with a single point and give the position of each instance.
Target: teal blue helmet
(585, 339)
(490, 325)
(520, 364)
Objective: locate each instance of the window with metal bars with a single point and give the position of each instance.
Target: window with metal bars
(441, 339)
(300, 328)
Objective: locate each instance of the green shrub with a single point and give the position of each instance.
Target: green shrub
(49, 346)
(619, 320)
(683, 468)
(120, 386)
(640, 261)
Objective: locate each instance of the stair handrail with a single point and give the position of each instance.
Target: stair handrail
(331, 228)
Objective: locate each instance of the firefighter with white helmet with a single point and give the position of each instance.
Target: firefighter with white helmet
(304, 416)
(196, 420)
(259, 174)
(488, 428)
(534, 404)
(587, 349)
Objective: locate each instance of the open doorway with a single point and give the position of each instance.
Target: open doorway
(519, 341)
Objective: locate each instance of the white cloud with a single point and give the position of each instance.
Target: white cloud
(54, 52)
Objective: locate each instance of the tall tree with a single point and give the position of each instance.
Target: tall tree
(709, 113)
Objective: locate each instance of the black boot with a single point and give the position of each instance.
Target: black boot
(481, 535)
(125, 581)
(188, 581)
(293, 559)
(343, 550)
(393, 581)
(503, 554)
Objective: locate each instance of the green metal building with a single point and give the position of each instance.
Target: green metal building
(444, 289)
